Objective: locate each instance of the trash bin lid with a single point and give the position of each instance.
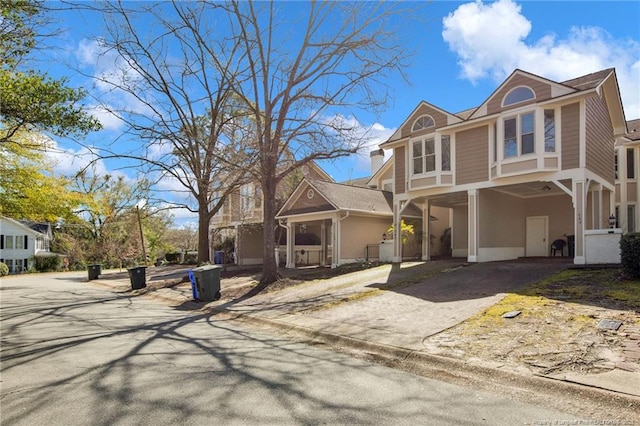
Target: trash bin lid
(207, 268)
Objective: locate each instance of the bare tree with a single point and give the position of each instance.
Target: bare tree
(305, 78)
(177, 69)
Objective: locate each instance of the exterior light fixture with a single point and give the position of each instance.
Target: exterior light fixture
(612, 221)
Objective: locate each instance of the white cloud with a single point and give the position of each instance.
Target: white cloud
(368, 137)
(490, 41)
(110, 74)
(68, 162)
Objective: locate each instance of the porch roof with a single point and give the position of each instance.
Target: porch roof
(344, 198)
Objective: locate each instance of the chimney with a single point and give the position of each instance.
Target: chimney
(377, 159)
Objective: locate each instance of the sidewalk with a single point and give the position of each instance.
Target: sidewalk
(391, 309)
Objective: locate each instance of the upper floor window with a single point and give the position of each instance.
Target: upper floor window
(631, 164)
(519, 136)
(517, 95)
(549, 131)
(423, 122)
(8, 241)
(446, 153)
(424, 156)
(246, 197)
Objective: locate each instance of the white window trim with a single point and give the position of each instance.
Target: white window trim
(503, 105)
(413, 126)
(536, 135)
(437, 142)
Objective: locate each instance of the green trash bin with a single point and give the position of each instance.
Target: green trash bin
(94, 271)
(138, 277)
(208, 282)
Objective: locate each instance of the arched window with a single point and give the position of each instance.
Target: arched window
(517, 95)
(423, 122)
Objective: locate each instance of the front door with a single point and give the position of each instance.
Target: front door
(537, 236)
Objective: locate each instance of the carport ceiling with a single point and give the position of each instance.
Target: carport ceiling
(531, 189)
(521, 190)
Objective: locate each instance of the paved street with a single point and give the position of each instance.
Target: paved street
(76, 354)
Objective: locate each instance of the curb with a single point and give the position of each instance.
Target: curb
(454, 370)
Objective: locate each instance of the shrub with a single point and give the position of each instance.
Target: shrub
(630, 254)
(173, 257)
(48, 264)
(190, 259)
(4, 269)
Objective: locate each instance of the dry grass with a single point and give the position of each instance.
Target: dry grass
(556, 330)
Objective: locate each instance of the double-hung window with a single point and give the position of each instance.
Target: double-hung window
(631, 164)
(424, 156)
(519, 135)
(246, 197)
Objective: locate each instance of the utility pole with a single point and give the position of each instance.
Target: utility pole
(144, 250)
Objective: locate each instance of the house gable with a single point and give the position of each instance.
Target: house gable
(542, 88)
(305, 199)
(440, 117)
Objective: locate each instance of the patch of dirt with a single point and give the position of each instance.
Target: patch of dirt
(557, 329)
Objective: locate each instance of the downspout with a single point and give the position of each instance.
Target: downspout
(338, 238)
(286, 228)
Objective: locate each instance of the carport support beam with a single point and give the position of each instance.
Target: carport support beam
(472, 255)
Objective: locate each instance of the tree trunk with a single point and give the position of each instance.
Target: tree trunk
(203, 235)
(270, 269)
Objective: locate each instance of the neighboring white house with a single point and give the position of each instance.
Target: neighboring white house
(20, 242)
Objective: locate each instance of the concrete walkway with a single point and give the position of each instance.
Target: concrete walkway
(391, 307)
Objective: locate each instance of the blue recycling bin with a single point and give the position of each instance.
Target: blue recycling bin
(218, 257)
(194, 287)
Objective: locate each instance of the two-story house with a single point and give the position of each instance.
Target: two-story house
(532, 164)
(21, 241)
(241, 216)
(627, 159)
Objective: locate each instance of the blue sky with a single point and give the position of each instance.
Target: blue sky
(463, 50)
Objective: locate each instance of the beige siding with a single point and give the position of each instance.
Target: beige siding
(520, 166)
(304, 203)
(472, 155)
(356, 232)
(250, 243)
(497, 208)
(400, 169)
(632, 191)
(439, 118)
(460, 228)
(570, 136)
(437, 230)
(422, 182)
(541, 89)
(600, 140)
(559, 209)
(551, 163)
(387, 175)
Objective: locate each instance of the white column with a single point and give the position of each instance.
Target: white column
(291, 241)
(426, 231)
(397, 235)
(579, 204)
(335, 242)
(473, 225)
(323, 244)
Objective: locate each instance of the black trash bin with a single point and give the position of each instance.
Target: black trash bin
(208, 282)
(138, 277)
(94, 271)
(571, 245)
